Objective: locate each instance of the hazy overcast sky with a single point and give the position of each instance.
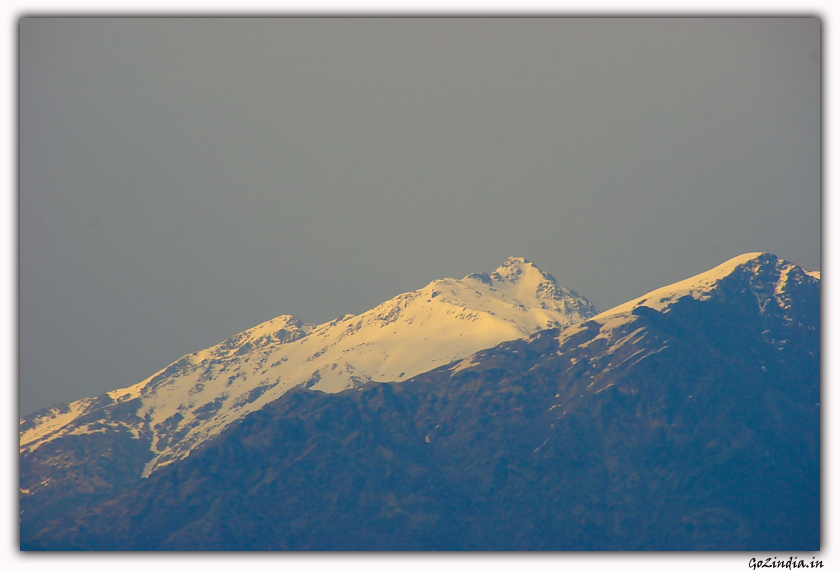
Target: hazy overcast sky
(182, 180)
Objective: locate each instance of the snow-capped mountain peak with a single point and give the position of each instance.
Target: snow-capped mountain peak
(513, 269)
(198, 396)
(763, 276)
(759, 266)
(520, 274)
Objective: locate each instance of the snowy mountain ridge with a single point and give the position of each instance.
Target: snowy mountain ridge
(707, 391)
(198, 396)
(766, 276)
(760, 266)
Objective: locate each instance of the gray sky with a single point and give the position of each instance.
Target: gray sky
(182, 180)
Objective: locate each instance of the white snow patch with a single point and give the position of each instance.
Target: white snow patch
(644, 356)
(468, 362)
(622, 341)
(149, 467)
(88, 429)
(51, 425)
(542, 444)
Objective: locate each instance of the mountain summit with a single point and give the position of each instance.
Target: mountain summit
(163, 418)
(760, 268)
